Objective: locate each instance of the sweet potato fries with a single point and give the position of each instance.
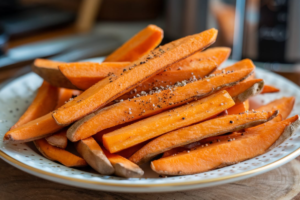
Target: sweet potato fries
(170, 107)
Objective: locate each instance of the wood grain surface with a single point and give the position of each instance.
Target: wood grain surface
(281, 183)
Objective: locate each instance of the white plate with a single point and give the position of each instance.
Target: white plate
(15, 97)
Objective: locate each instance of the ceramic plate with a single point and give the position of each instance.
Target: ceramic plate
(16, 96)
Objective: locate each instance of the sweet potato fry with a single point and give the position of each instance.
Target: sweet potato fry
(167, 121)
(58, 139)
(90, 150)
(33, 130)
(197, 66)
(81, 75)
(214, 139)
(43, 103)
(85, 74)
(124, 167)
(99, 135)
(30, 131)
(143, 106)
(269, 89)
(137, 46)
(209, 140)
(57, 154)
(234, 67)
(175, 151)
(225, 153)
(54, 97)
(139, 71)
(245, 89)
(209, 128)
(48, 70)
(283, 105)
(169, 104)
(230, 136)
(238, 108)
(65, 95)
(126, 153)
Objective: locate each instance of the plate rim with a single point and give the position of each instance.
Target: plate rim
(141, 187)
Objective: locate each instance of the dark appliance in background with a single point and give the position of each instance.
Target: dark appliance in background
(272, 31)
(271, 36)
(266, 31)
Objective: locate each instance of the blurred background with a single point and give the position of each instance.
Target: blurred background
(267, 31)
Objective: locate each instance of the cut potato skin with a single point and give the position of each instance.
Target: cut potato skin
(91, 151)
(58, 139)
(85, 74)
(48, 70)
(246, 89)
(123, 167)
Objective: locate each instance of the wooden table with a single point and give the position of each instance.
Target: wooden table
(281, 183)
